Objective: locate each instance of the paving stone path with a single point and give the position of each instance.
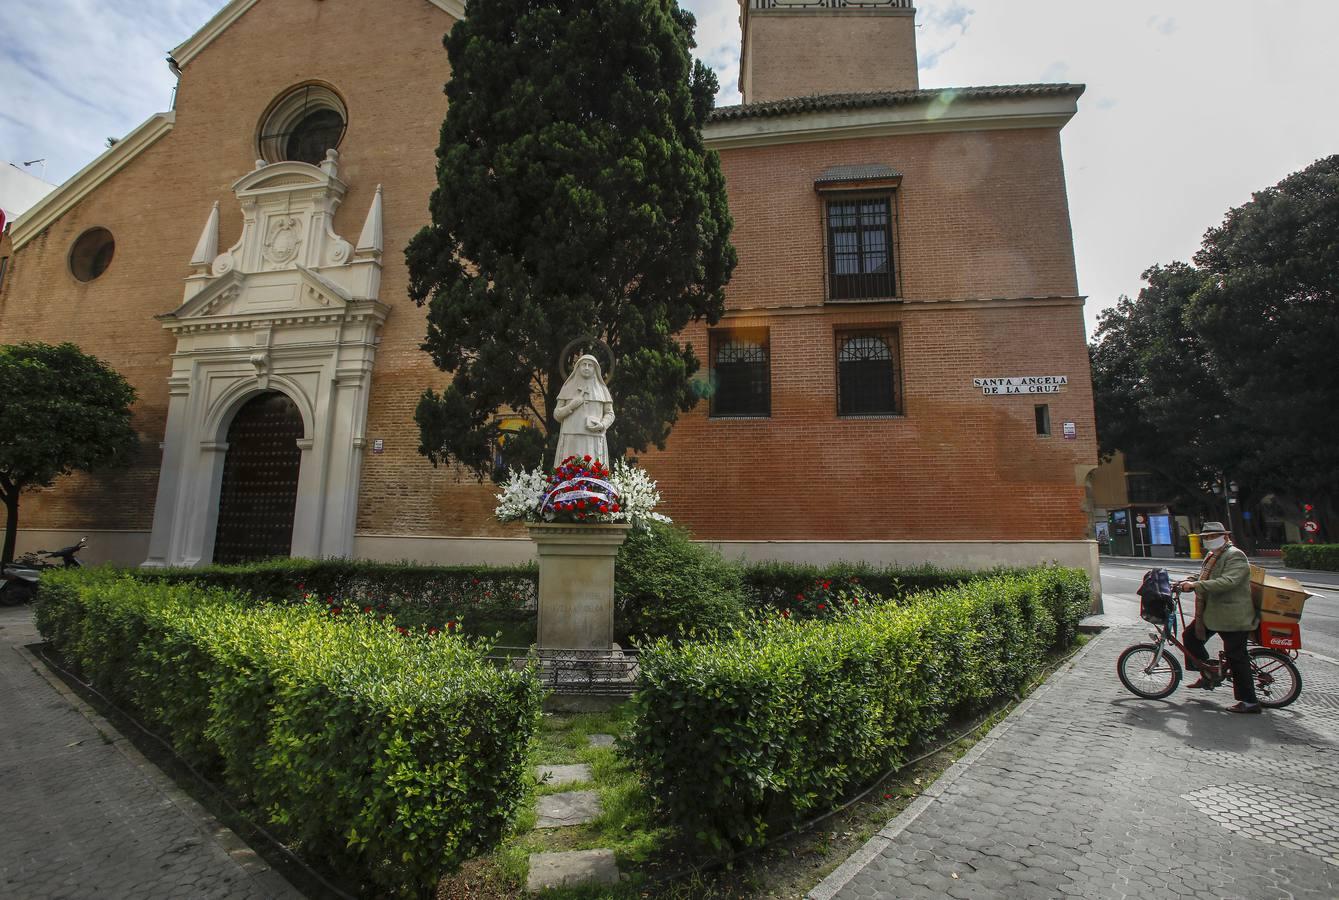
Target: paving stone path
(82, 815)
(1088, 791)
(571, 868)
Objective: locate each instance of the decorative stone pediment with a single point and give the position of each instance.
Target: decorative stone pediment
(288, 238)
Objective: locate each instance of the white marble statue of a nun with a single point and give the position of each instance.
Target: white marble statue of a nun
(586, 410)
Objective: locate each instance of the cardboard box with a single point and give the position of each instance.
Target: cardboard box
(1280, 601)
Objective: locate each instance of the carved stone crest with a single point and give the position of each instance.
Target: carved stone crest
(285, 238)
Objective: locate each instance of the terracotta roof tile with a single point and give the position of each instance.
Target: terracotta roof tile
(822, 102)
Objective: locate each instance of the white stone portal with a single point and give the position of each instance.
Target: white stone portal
(291, 307)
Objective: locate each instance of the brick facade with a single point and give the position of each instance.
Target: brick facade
(987, 277)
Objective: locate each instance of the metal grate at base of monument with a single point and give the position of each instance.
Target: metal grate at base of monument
(596, 672)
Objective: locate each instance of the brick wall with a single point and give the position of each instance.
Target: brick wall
(798, 53)
(983, 215)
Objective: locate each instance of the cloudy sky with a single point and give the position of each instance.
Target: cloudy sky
(1191, 104)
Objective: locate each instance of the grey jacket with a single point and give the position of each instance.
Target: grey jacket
(1227, 594)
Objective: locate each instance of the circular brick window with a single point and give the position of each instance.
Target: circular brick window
(302, 125)
(92, 253)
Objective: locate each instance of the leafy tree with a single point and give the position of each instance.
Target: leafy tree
(1268, 312)
(575, 197)
(1155, 390)
(1227, 366)
(61, 410)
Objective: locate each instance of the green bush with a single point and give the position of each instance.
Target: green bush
(385, 759)
(1312, 556)
(779, 585)
(665, 585)
(485, 599)
(770, 724)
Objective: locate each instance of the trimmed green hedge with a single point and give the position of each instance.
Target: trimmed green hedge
(770, 725)
(486, 599)
(1312, 556)
(386, 759)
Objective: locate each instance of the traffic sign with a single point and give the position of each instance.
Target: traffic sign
(1310, 526)
(1139, 519)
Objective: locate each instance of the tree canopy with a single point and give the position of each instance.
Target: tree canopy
(61, 410)
(1225, 367)
(575, 198)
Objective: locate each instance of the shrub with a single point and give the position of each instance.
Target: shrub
(778, 585)
(769, 724)
(665, 585)
(486, 599)
(386, 759)
(1312, 556)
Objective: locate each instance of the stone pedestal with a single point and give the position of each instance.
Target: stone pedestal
(576, 584)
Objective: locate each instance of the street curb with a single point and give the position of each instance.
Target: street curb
(262, 873)
(1135, 562)
(840, 876)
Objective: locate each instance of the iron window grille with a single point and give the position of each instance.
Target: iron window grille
(741, 374)
(867, 374)
(303, 126)
(861, 247)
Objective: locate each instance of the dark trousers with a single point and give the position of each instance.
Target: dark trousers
(1234, 642)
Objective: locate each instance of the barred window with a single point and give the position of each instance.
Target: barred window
(860, 248)
(741, 373)
(303, 125)
(867, 374)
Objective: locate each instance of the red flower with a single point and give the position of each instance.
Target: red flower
(581, 504)
(799, 596)
(336, 610)
(785, 614)
(604, 507)
(432, 630)
(586, 457)
(826, 585)
(301, 586)
(615, 507)
(367, 609)
(821, 606)
(401, 629)
(450, 625)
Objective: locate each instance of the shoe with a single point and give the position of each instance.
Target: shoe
(1244, 707)
(1205, 683)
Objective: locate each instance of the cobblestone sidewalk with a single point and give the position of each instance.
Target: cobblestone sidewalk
(80, 817)
(1089, 791)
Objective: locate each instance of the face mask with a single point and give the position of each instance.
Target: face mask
(1214, 543)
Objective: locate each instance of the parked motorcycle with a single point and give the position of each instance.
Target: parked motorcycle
(18, 581)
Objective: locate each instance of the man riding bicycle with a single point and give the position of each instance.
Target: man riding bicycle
(1223, 606)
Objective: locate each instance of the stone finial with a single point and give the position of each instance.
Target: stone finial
(369, 243)
(208, 247)
(331, 164)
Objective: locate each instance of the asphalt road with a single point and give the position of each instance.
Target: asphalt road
(1320, 621)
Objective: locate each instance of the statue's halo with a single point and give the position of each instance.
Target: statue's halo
(587, 340)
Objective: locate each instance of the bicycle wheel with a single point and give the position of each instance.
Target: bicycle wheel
(1138, 674)
(1277, 681)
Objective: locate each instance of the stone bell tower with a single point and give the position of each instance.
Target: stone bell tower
(799, 48)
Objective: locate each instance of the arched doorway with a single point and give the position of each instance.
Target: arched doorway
(260, 481)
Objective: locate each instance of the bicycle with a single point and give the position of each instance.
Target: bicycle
(1148, 670)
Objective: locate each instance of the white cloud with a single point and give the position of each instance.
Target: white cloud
(76, 72)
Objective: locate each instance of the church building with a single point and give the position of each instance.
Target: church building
(901, 375)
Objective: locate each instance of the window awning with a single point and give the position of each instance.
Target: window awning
(868, 176)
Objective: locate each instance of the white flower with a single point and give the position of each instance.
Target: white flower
(520, 496)
(637, 496)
